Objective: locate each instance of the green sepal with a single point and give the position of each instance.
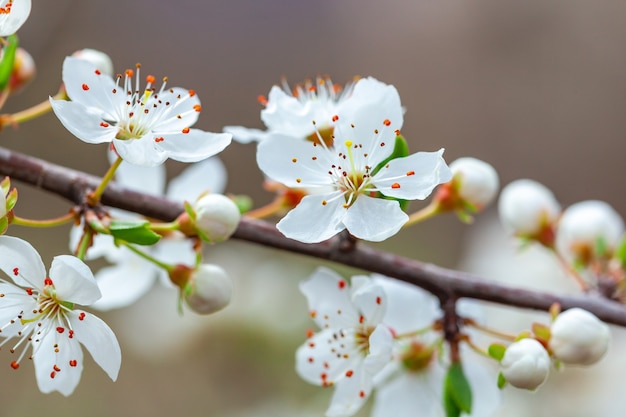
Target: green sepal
(621, 252)
(137, 232)
(400, 149)
(7, 61)
(496, 351)
(523, 335)
(4, 225)
(11, 199)
(243, 202)
(5, 185)
(501, 380)
(190, 210)
(457, 393)
(600, 248)
(541, 331)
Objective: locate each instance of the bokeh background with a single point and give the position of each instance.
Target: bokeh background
(536, 88)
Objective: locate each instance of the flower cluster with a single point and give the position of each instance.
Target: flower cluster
(378, 334)
(354, 180)
(575, 337)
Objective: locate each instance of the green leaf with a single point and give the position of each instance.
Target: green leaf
(190, 210)
(501, 380)
(541, 331)
(496, 351)
(457, 392)
(8, 58)
(243, 202)
(400, 149)
(137, 232)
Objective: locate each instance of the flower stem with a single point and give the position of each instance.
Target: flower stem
(475, 347)
(57, 221)
(163, 228)
(147, 257)
(571, 270)
(415, 332)
(426, 213)
(490, 331)
(268, 210)
(32, 112)
(84, 244)
(94, 197)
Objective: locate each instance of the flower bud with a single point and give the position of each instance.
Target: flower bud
(217, 217)
(579, 337)
(99, 59)
(477, 181)
(529, 210)
(24, 70)
(584, 226)
(525, 364)
(209, 289)
(8, 199)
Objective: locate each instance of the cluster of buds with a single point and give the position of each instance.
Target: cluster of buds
(575, 337)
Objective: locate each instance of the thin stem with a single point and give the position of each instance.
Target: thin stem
(32, 112)
(426, 213)
(268, 210)
(416, 332)
(94, 197)
(570, 269)
(57, 221)
(490, 331)
(162, 228)
(474, 347)
(85, 242)
(147, 257)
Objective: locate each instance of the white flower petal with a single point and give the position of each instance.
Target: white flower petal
(374, 219)
(94, 91)
(17, 253)
(99, 340)
(244, 135)
(311, 221)
(293, 162)
(329, 300)
(146, 179)
(83, 122)
(208, 175)
(73, 280)
(328, 357)
(181, 113)
(370, 299)
(53, 357)
(11, 22)
(193, 146)
(380, 350)
(350, 394)
(123, 284)
(141, 152)
(485, 393)
(15, 300)
(409, 308)
(414, 176)
(287, 115)
(411, 393)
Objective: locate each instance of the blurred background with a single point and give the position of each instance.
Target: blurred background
(536, 88)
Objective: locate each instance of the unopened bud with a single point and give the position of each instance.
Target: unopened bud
(476, 181)
(24, 70)
(209, 289)
(579, 337)
(99, 59)
(217, 217)
(8, 199)
(529, 210)
(586, 225)
(525, 364)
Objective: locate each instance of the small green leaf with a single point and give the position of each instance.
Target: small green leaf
(541, 331)
(137, 232)
(190, 210)
(400, 149)
(496, 351)
(4, 225)
(501, 380)
(457, 391)
(523, 335)
(600, 248)
(8, 59)
(243, 202)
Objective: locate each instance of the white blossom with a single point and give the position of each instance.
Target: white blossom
(13, 14)
(145, 125)
(39, 309)
(217, 217)
(578, 337)
(477, 181)
(209, 289)
(525, 364)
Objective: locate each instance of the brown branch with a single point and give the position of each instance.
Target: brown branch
(444, 283)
